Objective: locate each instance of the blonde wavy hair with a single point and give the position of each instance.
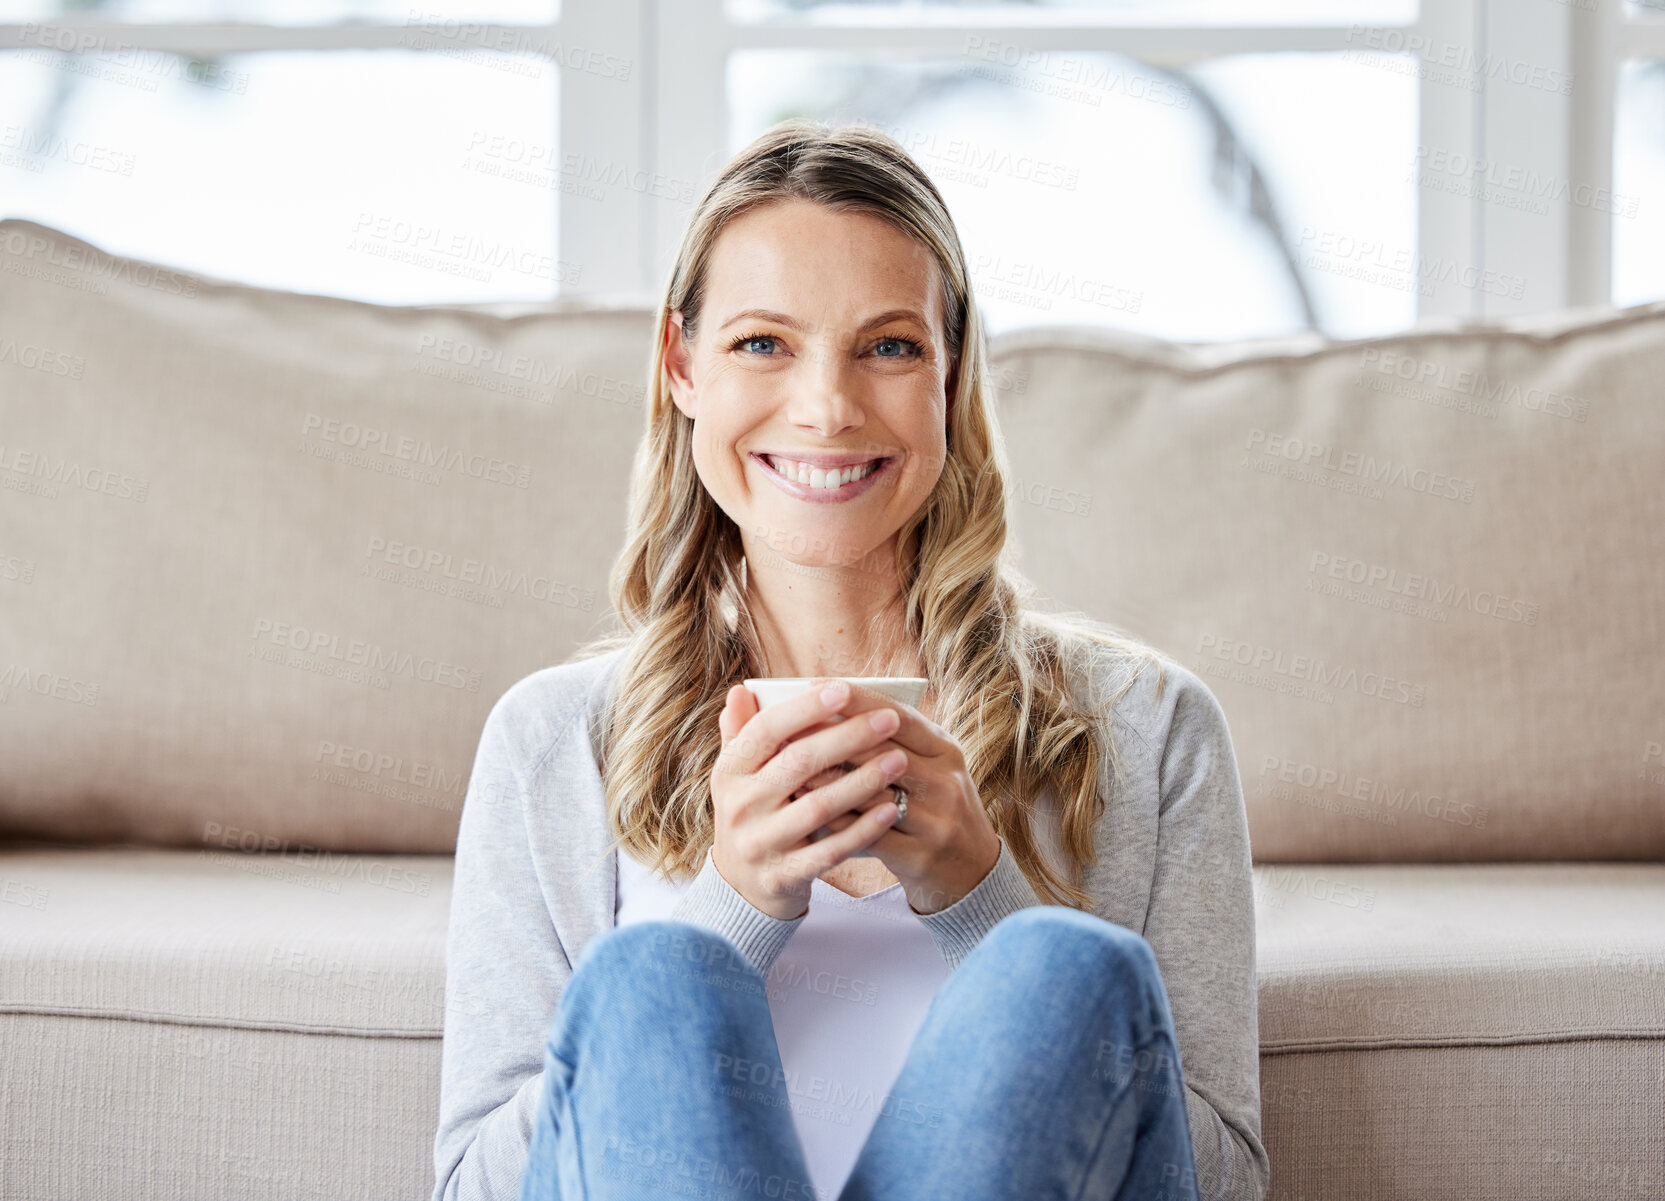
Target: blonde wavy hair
(1004, 676)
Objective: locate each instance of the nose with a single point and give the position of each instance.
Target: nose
(827, 398)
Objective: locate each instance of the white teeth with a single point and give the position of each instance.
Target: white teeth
(818, 477)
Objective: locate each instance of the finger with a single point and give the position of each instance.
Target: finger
(858, 790)
(917, 732)
(739, 706)
(839, 824)
(765, 731)
(828, 852)
(826, 777)
(726, 719)
(851, 742)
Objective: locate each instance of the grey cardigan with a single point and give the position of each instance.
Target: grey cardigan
(536, 876)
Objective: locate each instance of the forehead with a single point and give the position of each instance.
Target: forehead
(826, 268)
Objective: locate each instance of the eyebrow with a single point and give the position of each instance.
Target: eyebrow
(794, 323)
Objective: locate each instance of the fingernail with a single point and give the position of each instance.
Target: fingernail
(833, 693)
(893, 762)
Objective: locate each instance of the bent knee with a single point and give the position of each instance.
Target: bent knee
(662, 941)
(664, 947)
(651, 968)
(1074, 936)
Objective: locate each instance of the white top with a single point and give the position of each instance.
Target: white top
(847, 994)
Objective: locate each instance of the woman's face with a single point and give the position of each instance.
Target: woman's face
(847, 360)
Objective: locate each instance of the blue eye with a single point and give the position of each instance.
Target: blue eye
(745, 338)
(915, 347)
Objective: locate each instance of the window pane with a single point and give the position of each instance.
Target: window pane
(1142, 12)
(380, 175)
(291, 12)
(1094, 189)
(1638, 200)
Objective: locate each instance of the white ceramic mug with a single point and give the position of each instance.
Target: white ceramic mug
(910, 690)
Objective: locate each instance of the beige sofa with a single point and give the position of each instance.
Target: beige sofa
(266, 560)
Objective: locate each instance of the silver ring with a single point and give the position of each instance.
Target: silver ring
(901, 803)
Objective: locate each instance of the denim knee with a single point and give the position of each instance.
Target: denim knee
(666, 965)
(1074, 937)
(663, 943)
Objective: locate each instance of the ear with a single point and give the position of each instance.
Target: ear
(677, 360)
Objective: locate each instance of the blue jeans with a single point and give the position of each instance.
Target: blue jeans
(1049, 1054)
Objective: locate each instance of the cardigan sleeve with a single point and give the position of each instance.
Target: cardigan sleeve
(505, 970)
(711, 901)
(1201, 925)
(961, 926)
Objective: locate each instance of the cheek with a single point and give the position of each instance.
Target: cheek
(731, 404)
(713, 430)
(928, 438)
(723, 423)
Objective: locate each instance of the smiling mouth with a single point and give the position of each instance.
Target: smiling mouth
(817, 477)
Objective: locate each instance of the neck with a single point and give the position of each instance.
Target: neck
(828, 620)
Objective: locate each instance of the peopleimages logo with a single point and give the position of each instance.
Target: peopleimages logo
(329, 649)
(1256, 657)
(438, 26)
(1390, 798)
(41, 358)
(1321, 456)
(477, 363)
(1468, 382)
(418, 452)
(1511, 185)
(386, 559)
(93, 264)
(1473, 68)
(1316, 886)
(40, 472)
(1075, 77)
(28, 148)
(395, 768)
(1414, 586)
(19, 677)
(1401, 267)
(981, 159)
(1653, 763)
(327, 864)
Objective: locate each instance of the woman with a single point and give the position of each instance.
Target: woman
(699, 949)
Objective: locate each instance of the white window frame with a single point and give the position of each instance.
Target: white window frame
(669, 118)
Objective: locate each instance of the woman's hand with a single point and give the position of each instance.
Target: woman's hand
(946, 845)
(762, 842)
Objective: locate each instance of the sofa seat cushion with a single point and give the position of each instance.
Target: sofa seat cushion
(331, 944)
(193, 1027)
(1466, 1031)
(182, 1024)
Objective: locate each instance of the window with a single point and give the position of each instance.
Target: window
(1186, 168)
(1638, 193)
(386, 175)
(1090, 188)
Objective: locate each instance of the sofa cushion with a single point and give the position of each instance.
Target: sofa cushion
(1462, 1031)
(318, 944)
(1422, 573)
(267, 559)
(1443, 1031)
(1410, 955)
(195, 1024)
